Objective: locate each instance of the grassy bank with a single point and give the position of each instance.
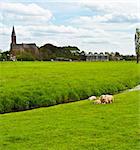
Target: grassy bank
(79, 125)
(26, 85)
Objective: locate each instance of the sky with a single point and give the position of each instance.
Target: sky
(91, 25)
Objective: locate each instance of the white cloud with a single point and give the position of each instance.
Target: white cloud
(109, 27)
(114, 12)
(117, 22)
(25, 13)
(28, 9)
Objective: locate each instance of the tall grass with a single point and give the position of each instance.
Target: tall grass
(27, 85)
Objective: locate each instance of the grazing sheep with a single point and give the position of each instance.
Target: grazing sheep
(110, 98)
(97, 102)
(92, 98)
(105, 99)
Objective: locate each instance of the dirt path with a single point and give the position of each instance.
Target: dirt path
(137, 88)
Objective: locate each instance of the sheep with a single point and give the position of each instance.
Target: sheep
(105, 99)
(92, 98)
(97, 102)
(110, 98)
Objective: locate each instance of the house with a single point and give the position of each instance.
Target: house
(97, 57)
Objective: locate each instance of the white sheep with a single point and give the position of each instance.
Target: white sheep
(92, 98)
(110, 98)
(105, 99)
(97, 102)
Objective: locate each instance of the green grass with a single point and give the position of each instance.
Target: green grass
(75, 126)
(26, 85)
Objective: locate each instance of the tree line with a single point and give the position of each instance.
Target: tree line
(50, 52)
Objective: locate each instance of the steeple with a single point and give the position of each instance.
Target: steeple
(13, 36)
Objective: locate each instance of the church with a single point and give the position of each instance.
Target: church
(17, 50)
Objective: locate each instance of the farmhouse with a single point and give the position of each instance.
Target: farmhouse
(97, 57)
(20, 49)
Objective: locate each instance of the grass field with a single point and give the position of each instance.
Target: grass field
(75, 126)
(26, 85)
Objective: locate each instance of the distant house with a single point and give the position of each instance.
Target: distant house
(97, 57)
(20, 49)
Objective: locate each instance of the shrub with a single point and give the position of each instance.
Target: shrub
(27, 85)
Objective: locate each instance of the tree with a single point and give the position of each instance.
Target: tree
(49, 51)
(83, 56)
(117, 54)
(137, 44)
(90, 53)
(4, 55)
(101, 53)
(107, 53)
(25, 56)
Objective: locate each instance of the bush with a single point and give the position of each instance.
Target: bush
(27, 85)
(26, 56)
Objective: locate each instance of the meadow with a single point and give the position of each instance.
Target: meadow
(75, 126)
(27, 85)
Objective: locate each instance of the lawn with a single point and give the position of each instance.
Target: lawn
(27, 85)
(75, 126)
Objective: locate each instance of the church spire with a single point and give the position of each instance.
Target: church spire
(13, 36)
(13, 31)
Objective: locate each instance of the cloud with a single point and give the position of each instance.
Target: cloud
(25, 13)
(114, 12)
(51, 28)
(92, 27)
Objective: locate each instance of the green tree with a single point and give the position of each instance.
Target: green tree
(137, 44)
(25, 56)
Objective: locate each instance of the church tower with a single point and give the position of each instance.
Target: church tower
(13, 37)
